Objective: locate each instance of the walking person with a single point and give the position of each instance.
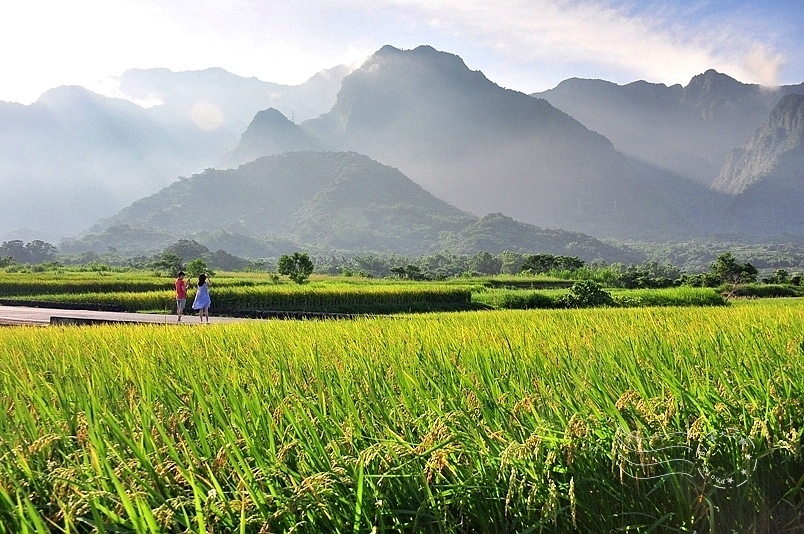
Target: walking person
(181, 294)
(202, 300)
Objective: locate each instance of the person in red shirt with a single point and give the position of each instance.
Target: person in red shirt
(181, 294)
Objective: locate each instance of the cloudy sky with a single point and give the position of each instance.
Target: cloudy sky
(528, 45)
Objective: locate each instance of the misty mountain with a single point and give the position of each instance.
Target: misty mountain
(74, 156)
(688, 130)
(323, 201)
(766, 175)
(487, 149)
(270, 133)
(232, 101)
(336, 200)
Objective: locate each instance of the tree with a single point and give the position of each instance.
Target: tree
(186, 249)
(220, 259)
(413, 272)
(398, 270)
(729, 270)
(169, 263)
(198, 266)
(16, 249)
(485, 263)
(781, 276)
(40, 251)
(542, 263)
(298, 266)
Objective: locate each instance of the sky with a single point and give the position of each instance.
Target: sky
(526, 45)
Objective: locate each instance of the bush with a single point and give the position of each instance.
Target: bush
(586, 294)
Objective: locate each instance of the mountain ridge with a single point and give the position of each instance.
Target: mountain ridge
(338, 201)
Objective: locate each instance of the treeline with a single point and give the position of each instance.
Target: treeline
(725, 269)
(17, 251)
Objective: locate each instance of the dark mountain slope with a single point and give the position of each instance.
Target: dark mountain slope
(497, 233)
(487, 149)
(338, 200)
(326, 201)
(766, 175)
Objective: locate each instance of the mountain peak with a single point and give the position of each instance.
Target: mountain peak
(715, 84)
(266, 117)
(423, 55)
(269, 133)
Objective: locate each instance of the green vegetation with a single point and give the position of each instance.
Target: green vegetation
(298, 266)
(239, 295)
(662, 419)
(243, 293)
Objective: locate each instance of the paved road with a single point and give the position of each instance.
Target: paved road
(23, 315)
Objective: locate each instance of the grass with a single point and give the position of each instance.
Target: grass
(646, 419)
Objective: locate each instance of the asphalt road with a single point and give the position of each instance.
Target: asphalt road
(23, 315)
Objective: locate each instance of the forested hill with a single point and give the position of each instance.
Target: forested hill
(336, 201)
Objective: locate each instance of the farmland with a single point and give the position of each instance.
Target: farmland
(671, 419)
(252, 293)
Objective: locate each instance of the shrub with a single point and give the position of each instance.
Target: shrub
(586, 294)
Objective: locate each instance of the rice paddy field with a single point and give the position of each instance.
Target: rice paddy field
(233, 293)
(648, 419)
(239, 293)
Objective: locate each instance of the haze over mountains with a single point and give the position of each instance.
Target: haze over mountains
(74, 156)
(686, 130)
(330, 201)
(639, 161)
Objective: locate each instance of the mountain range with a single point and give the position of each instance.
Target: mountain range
(330, 201)
(74, 156)
(638, 161)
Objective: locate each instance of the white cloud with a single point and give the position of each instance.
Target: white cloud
(47, 43)
(662, 44)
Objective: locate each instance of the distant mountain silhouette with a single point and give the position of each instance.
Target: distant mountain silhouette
(639, 161)
(74, 156)
(487, 149)
(270, 133)
(237, 98)
(686, 130)
(326, 201)
(766, 175)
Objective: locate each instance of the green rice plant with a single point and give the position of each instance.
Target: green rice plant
(308, 297)
(511, 299)
(26, 284)
(670, 296)
(666, 419)
(626, 298)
